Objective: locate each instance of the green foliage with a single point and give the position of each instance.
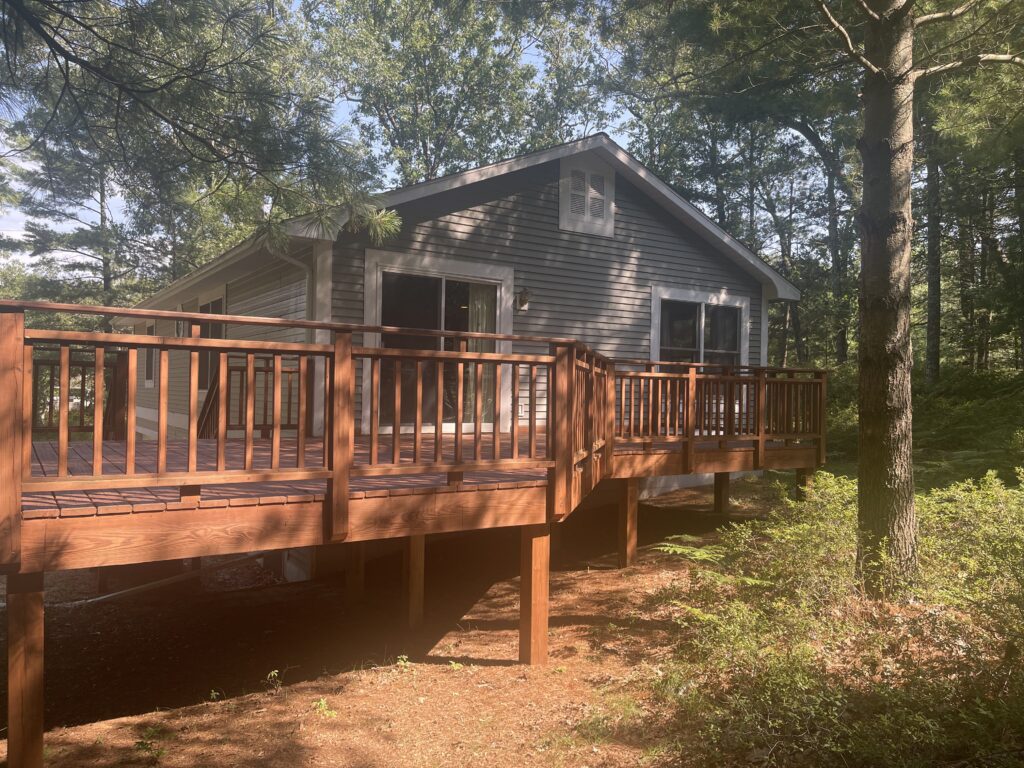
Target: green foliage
(783, 662)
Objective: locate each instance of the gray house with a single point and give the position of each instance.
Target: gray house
(580, 240)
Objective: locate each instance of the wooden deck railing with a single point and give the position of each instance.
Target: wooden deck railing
(664, 403)
(282, 411)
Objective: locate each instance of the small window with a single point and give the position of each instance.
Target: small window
(587, 189)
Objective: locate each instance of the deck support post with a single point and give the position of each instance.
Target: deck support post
(415, 581)
(721, 493)
(628, 502)
(535, 566)
(25, 670)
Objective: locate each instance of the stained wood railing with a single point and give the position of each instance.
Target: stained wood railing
(683, 404)
(127, 409)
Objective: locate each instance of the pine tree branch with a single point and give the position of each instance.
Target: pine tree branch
(971, 61)
(851, 49)
(955, 13)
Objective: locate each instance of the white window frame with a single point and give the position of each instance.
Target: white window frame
(660, 293)
(378, 262)
(588, 164)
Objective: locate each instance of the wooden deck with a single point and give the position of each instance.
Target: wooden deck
(290, 446)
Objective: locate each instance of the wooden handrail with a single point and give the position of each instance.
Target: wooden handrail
(431, 411)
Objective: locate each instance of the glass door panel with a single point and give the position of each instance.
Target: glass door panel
(408, 301)
(471, 307)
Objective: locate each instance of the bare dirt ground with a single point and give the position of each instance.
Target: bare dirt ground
(207, 674)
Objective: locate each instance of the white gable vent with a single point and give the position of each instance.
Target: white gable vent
(586, 196)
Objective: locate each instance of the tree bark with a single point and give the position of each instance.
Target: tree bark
(838, 264)
(887, 526)
(933, 268)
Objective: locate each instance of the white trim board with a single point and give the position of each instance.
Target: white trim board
(379, 261)
(722, 297)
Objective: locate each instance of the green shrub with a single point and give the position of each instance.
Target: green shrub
(782, 661)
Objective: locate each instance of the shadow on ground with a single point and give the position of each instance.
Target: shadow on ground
(181, 646)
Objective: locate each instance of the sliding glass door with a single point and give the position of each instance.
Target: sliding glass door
(443, 304)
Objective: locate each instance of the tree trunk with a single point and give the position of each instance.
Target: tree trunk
(933, 269)
(965, 272)
(842, 328)
(887, 525)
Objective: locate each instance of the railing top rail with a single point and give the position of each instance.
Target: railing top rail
(720, 366)
(203, 317)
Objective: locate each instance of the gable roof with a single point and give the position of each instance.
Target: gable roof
(626, 166)
(602, 145)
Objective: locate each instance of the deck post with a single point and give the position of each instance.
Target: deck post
(12, 449)
(822, 405)
(721, 493)
(691, 420)
(608, 457)
(535, 565)
(342, 437)
(628, 502)
(415, 571)
(762, 432)
(25, 670)
(560, 476)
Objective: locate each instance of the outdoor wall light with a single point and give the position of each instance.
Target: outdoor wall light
(523, 300)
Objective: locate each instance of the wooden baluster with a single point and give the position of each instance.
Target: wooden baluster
(478, 411)
(418, 423)
(374, 408)
(496, 411)
(65, 402)
(642, 398)
(161, 420)
(223, 389)
(250, 406)
(97, 411)
(396, 418)
(300, 423)
(439, 413)
(130, 396)
(514, 416)
(28, 400)
(193, 403)
(460, 370)
(532, 425)
(328, 411)
(275, 440)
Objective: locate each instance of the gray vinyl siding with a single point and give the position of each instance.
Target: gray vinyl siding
(273, 289)
(591, 288)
